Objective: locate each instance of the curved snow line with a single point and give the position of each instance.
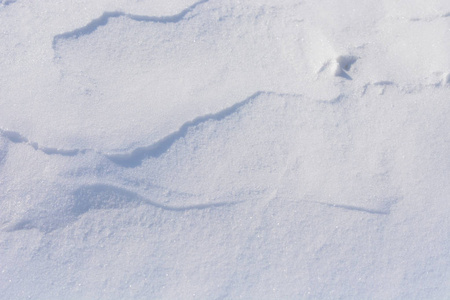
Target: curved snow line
(101, 196)
(430, 18)
(104, 19)
(81, 207)
(17, 138)
(7, 2)
(355, 208)
(134, 157)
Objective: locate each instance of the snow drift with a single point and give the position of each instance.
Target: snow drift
(224, 149)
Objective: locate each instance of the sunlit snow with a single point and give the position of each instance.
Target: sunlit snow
(224, 149)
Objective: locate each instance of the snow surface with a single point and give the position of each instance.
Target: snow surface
(224, 149)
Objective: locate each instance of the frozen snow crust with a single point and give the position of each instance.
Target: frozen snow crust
(224, 149)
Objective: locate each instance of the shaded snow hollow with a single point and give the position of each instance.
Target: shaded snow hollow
(224, 149)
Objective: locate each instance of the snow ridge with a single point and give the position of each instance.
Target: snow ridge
(7, 2)
(104, 19)
(84, 205)
(102, 196)
(355, 208)
(17, 138)
(135, 157)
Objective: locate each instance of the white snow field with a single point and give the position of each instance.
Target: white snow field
(225, 149)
